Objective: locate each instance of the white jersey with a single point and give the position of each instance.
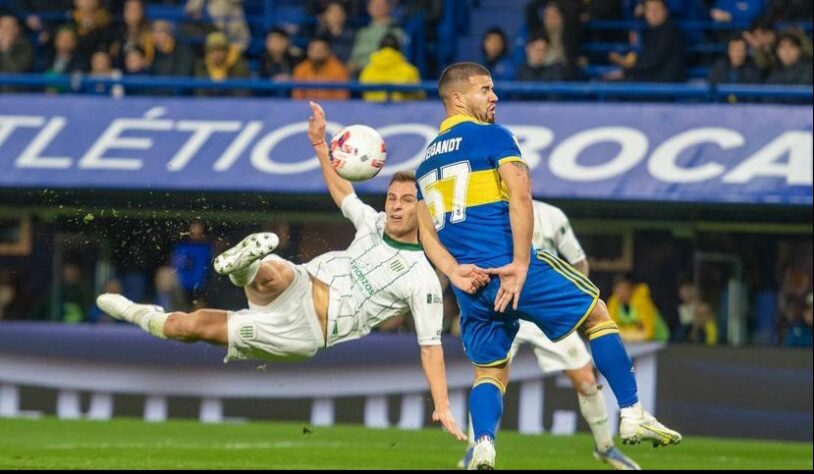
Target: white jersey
(553, 233)
(377, 278)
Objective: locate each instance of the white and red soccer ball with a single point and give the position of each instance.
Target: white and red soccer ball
(358, 152)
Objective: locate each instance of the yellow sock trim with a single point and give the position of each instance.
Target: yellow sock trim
(491, 380)
(602, 329)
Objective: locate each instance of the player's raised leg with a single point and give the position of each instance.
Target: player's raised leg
(241, 262)
(208, 325)
(613, 362)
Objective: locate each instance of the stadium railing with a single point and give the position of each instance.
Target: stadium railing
(701, 92)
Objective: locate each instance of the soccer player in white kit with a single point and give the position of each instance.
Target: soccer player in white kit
(552, 233)
(295, 310)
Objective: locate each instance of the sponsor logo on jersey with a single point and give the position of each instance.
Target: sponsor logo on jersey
(361, 278)
(431, 298)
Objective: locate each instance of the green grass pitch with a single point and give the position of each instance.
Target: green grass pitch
(131, 444)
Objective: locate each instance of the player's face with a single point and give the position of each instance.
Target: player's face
(480, 99)
(400, 210)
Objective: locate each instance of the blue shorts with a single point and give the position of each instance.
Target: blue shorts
(556, 297)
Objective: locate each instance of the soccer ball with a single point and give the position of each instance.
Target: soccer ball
(358, 152)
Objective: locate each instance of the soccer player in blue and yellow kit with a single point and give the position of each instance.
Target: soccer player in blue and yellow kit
(475, 207)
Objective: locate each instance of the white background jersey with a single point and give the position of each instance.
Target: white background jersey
(377, 278)
(552, 232)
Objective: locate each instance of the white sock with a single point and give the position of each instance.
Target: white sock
(593, 410)
(245, 276)
(633, 410)
(151, 320)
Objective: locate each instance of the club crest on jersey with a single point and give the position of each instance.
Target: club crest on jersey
(397, 266)
(247, 332)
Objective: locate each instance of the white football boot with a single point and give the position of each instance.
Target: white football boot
(638, 425)
(483, 455)
(240, 261)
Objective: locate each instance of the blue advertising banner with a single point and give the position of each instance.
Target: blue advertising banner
(758, 154)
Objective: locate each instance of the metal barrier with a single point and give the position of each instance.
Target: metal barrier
(703, 92)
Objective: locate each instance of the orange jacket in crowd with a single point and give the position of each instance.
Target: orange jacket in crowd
(331, 71)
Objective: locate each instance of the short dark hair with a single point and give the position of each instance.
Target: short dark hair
(278, 31)
(790, 37)
(736, 37)
(456, 73)
(390, 41)
(404, 176)
(496, 30)
(537, 36)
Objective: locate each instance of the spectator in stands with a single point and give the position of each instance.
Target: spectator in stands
(369, 38)
(631, 307)
(135, 62)
(799, 324)
(496, 57)
(279, 58)
(168, 292)
(93, 28)
(762, 40)
(737, 67)
(737, 11)
(65, 59)
(662, 53)
(33, 21)
(101, 66)
(219, 64)
(535, 68)
(10, 301)
(680, 10)
(792, 67)
(389, 66)
(331, 24)
(228, 16)
(133, 32)
(560, 22)
(74, 297)
(171, 57)
(320, 65)
(696, 317)
(190, 258)
(16, 54)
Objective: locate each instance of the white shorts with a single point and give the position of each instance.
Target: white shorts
(569, 353)
(286, 329)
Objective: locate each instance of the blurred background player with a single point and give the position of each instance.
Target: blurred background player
(295, 310)
(487, 220)
(553, 233)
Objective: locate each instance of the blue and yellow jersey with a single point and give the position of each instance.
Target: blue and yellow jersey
(459, 182)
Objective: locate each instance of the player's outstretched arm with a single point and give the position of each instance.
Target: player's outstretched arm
(432, 360)
(468, 278)
(337, 186)
(515, 175)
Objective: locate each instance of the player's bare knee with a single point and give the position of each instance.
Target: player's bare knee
(584, 380)
(599, 315)
(273, 276)
(179, 326)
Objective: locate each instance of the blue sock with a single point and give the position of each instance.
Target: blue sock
(612, 361)
(486, 407)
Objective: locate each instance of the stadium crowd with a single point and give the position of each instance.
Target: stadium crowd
(722, 41)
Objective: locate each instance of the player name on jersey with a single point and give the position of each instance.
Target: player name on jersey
(443, 146)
